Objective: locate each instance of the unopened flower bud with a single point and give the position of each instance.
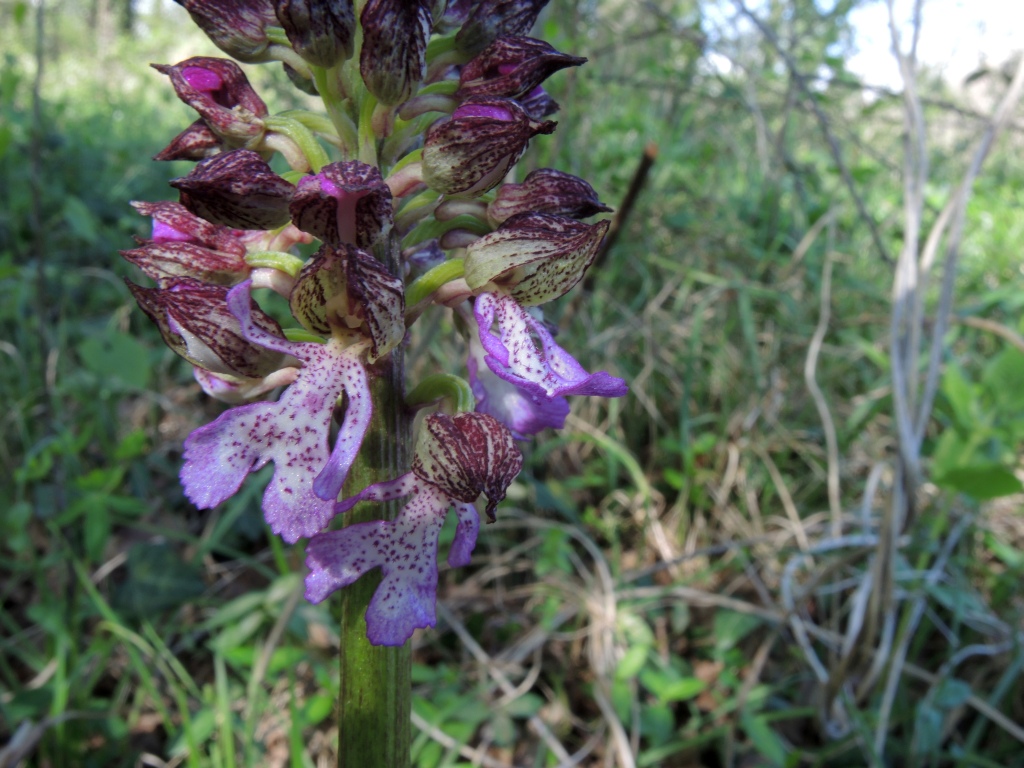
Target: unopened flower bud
(320, 31)
(196, 142)
(471, 152)
(512, 67)
(174, 223)
(237, 27)
(167, 262)
(346, 202)
(195, 322)
(534, 257)
(467, 454)
(236, 189)
(539, 104)
(393, 60)
(491, 19)
(546, 191)
(344, 288)
(220, 92)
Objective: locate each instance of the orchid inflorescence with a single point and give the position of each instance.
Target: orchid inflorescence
(428, 104)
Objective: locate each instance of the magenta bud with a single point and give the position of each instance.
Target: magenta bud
(220, 92)
(512, 67)
(467, 454)
(320, 31)
(195, 322)
(534, 257)
(236, 189)
(346, 202)
(345, 289)
(393, 60)
(546, 191)
(471, 152)
(491, 19)
(237, 27)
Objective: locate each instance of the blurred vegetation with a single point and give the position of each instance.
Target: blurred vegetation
(685, 577)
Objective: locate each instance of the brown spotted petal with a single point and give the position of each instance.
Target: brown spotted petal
(195, 322)
(173, 222)
(320, 31)
(512, 67)
(470, 153)
(237, 27)
(167, 262)
(196, 142)
(491, 19)
(345, 288)
(346, 202)
(220, 92)
(236, 189)
(466, 455)
(546, 191)
(534, 257)
(393, 60)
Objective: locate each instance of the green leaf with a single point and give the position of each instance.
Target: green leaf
(951, 693)
(764, 739)
(632, 662)
(682, 690)
(158, 580)
(121, 361)
(731, 627)
(981, 481)
(960, 395)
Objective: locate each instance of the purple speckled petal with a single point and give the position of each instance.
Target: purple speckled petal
(406, 552)
(524, 412)
(465, 535)
(327, 484)
(515, 356)
(293, 433)
(389, 490)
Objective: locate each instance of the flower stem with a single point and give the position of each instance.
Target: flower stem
(375, 700)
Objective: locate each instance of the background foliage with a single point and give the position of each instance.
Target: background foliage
(686, 577)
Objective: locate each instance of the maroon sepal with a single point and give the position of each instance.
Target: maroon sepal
(546, 190)
(491, 19)
(346, 202)
(236, 189)
(393, 59)
(320, 31)
(512, 67)
(237, 27)
(195, 322)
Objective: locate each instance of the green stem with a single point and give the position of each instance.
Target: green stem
(375, 700)
(427, 284)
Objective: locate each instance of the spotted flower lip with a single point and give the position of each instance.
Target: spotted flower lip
(523, 411)
(471, 152)
(535, 257)
(196, 323)
(512, 67)
(293, 433)
(220, 92)
(237, 27)
(236, 189)
(346, 202)
(546, 190)
(344, 288)
(457, 459)
(524, 353)
(320, 31)
(490, 19)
